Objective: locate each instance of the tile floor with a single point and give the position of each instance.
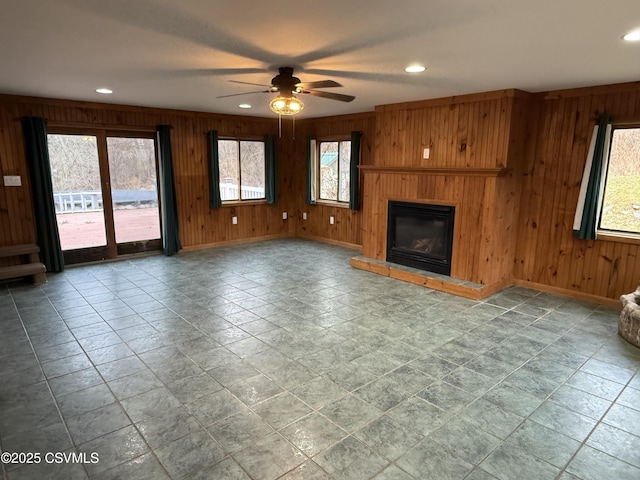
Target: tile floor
(278, 360)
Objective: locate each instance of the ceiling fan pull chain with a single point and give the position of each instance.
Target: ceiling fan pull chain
(280, 126)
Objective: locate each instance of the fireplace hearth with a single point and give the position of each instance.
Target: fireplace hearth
(420, 236)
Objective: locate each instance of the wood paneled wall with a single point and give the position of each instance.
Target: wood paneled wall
(199, 225)
(547, 252)
(347, 228)
(511, 162)
(470, 131)
(477, 144)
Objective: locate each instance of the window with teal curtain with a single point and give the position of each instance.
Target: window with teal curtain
(214, 171)
(37, 153)
(311, 171)
(271, 169)
(586, 217)
(170, 228)
(354, 174)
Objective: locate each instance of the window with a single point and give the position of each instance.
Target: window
(334, 171)
(620, 210)
(242, 170)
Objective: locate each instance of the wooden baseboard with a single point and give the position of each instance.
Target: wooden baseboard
(204, 246)
(330, 241)
(612, 302)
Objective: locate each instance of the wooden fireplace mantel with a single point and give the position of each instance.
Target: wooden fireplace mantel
(465, 172)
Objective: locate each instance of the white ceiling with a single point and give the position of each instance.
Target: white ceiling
(182, 53)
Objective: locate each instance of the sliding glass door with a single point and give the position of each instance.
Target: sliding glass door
(105, 193)
(134, 193)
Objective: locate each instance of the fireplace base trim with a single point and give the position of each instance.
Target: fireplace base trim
(435, 281)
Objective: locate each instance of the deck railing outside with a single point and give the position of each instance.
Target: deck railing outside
(91, 201)
(229, 191)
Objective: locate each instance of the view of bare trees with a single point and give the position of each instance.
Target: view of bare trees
(132, 163)
(241, 163)
(74, 163)
(75, 166)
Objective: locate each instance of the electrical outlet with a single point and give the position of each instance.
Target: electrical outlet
(284, 215)
(304, 215)
(12, 181)
(234, 220)
(332, 220)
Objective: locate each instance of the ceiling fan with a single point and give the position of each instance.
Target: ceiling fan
(288, 86)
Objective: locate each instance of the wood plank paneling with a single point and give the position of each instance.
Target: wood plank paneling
(199, 225)
(474, 165)
(472, 135)
(347, 228)
(547, 253)
(517, 224)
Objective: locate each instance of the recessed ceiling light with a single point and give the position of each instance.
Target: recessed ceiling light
(415, 69)
(104, 91)
(244, 105)
(632, 36)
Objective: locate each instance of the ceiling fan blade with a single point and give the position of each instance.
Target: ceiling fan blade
(245, 93)
(333, 96)
(319, 84)
(249, 83)
(200, 72)
(224, 71)
(404, 79)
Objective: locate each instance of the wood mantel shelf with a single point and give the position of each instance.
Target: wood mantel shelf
(468, 172)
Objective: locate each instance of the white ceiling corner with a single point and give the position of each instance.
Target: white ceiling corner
(182, 53)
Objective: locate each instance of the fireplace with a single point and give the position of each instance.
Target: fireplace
(420, 236)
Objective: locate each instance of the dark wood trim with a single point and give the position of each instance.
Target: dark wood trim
(587, 91)
(348, 117)
(84, 255)
(132, 248)
(107, 200)
(112, 130)
(455, 100)
(625, 122)
(159, 112)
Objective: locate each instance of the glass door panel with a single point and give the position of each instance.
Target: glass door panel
(134, 192)
(77, 192)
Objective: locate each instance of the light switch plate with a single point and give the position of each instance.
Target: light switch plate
(12, 181)
(425, 153)
(304, 215)
(332, 220)
(284, 215)
(234, 220)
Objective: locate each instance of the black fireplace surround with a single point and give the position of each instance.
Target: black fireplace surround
(420, 236)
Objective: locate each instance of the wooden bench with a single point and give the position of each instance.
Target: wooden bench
(31, 265)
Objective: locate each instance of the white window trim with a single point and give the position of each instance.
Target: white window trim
(314, 174)
(603, 233)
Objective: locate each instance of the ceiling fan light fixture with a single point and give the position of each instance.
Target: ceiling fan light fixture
(286, 105)
(415, 69)
(633, 36)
